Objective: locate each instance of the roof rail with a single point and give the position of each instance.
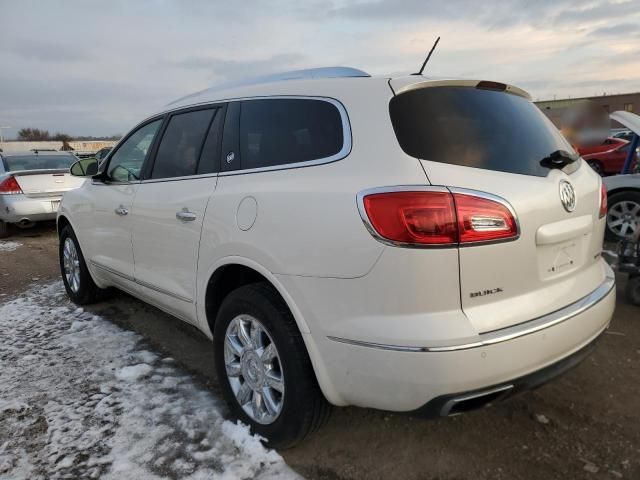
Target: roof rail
(310, 73)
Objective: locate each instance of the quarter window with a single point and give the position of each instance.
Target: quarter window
(126, 163)
(284, 131)
(181, 145)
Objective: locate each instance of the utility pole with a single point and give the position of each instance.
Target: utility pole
(3, 128)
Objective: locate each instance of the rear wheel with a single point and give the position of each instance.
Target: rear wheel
(597, 166)
(623, 215)
(4, 229)
(76, 277)
(263, 367)
(633, 290)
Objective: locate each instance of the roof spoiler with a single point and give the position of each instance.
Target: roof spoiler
(412, 82)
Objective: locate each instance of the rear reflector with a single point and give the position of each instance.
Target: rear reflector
(603, 201)
(9, 186)
(438, 218)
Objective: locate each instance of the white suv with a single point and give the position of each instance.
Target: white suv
(404, 244)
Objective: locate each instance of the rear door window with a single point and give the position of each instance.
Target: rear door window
(477, 128)
(181, 145)
(282, 131)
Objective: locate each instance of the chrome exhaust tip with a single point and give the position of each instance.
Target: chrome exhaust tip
(472, 401)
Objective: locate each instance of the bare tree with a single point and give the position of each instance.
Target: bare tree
(33, 134)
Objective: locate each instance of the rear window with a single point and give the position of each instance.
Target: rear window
(38, 162)
(282, 131)
(475, 128)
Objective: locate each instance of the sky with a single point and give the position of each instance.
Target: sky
(87, 67)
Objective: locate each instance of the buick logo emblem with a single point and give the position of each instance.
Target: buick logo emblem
(567, 196)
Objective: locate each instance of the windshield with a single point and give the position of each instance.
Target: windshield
(475, 128)
(14, 163)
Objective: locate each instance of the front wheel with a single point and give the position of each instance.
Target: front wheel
(263, 367)
(76, 277)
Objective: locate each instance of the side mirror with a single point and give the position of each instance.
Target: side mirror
(86, 167)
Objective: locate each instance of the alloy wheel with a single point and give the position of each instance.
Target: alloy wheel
(71, 263)
(623, 218)
(254, 369)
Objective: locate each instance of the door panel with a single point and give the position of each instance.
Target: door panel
(165, 246)
(170, 207)
(107, 220)
(105, 234)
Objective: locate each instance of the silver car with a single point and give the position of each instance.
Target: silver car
(31, 186)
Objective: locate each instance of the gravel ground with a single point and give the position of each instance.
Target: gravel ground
(584, 425)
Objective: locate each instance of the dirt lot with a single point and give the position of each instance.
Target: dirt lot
(584, 425)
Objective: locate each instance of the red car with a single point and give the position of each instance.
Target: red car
(608, 144)
(610, 159)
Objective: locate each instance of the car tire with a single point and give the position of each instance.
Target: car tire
(77, 280)
(244, 376)
(4, 229)
(618, 204)
(597, 166)
(633, 290)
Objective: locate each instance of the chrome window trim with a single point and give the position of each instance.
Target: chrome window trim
(505, 334)
(347, 137)
(432, 188)
(184, 177)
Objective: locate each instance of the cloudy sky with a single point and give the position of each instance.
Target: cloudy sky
(96, 67)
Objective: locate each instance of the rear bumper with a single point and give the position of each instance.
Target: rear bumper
(413, 378)
(456, 403)
(16, 208)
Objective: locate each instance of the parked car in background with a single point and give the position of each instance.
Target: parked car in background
(592, 154)
(31, 186)
(623, 191)
(623, 215)
(624, 135)
(611, 160)
(608, 144)
(405, 244)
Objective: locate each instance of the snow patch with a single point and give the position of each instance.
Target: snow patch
(82, 398)
(134, 372)
(8, 246)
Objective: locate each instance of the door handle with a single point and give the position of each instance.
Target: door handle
(121, 211)
(185, 215)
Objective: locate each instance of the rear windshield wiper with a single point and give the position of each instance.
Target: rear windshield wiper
(559, 159)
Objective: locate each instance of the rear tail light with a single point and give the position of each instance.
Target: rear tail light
(482, 220)
(603, 201)
(9, 186)
(438, 218)
(426, 218)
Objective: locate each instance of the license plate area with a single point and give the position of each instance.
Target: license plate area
(562, 258)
